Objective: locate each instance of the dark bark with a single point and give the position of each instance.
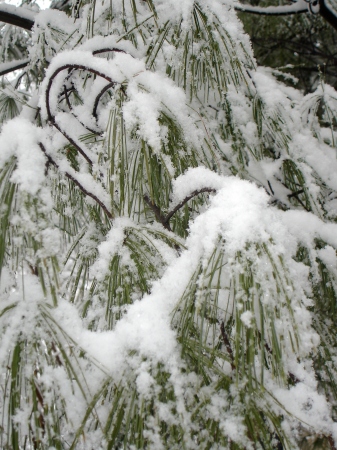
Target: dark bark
(328, 14)
(10, 14)
(19, 65)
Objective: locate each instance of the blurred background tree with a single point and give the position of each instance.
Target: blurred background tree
(301, 45)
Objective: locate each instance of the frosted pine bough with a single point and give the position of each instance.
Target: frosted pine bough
(168, 238)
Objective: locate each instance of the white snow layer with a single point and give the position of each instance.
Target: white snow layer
(240, 213)
(237, 218)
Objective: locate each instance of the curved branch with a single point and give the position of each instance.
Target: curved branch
(78, 184)
(14, 15)
(322, 7)
(298, 7)
(328, 13)
(165, 221)
(107, 50)
(51, 117)
(186, 199)
(71, 68)
(8, 67)
(108, 86)
(97, 99)
(157, 212)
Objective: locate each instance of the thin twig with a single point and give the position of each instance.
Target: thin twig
(106, 50)
(186, 199)
(98, 97)
(66, 97)
(295, 194)
(331, 442)
(157, 213)
(78, 184)
(227, 344)
(271, 189)
(71, 140)
(300, 201)
(165, 221)
(13, 65)
(97, 133)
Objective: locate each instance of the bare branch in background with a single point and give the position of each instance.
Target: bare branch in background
(299, 6)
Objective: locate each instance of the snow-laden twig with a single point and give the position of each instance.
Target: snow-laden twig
(71, 68)
(99, 96)
(78, 184)
(186, 199)
(165, 220)
(10, 66)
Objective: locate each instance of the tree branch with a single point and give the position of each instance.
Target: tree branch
(107, 50)
(227, 344)
(328, 13)
(97, 99)
(298, 7)
(186, 199)
(78, 184)
(51, 117)
(14, 15)
(165, 220)
(10, 66)
(323, 7)
(157, 213)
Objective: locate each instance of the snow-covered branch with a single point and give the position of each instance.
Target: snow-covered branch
(15, 15)
(322, 7)
(165, 220)
(10, 66)
(99, 96)
(51, 116)
(74, 179)
(299, 6)
(328, 12)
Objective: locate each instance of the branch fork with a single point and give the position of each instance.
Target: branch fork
(165, 220)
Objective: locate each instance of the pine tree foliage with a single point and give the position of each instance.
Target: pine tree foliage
(168, 236)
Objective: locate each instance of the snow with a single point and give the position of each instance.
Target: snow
(19, 139)
(230, 258)
(111, 246)
(143, 109)
(247, 318)
(236, 213)
(9, 66)
(24, 12)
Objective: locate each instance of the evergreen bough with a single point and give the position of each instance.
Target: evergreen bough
(168, 235)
